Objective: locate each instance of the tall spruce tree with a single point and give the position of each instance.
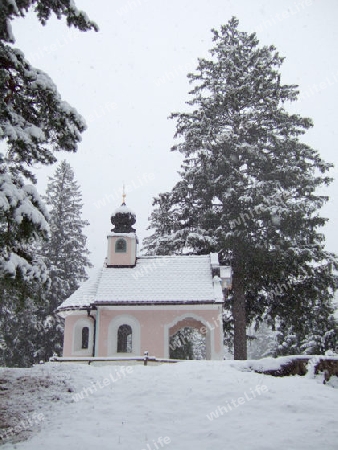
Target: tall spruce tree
(20, 328)
(30, 331)
(34, 123)
(248, 191)
(65, 254)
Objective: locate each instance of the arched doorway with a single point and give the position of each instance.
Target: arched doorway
(187, 343)
(189, 338)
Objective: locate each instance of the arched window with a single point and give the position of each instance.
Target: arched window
(85, 337)
(121, 328)
(121, 246)
(124, 339)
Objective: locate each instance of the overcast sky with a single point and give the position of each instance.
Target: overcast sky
(127, 78)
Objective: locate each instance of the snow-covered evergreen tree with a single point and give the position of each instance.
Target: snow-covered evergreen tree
(34, 123)
(19, 330)
(23, 223)
(65, 254)
(248, 190)
(30, 331)
(164, 223)
(261, 342)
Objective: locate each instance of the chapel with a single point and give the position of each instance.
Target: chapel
(136, 303)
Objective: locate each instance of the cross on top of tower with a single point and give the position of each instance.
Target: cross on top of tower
(124, 195)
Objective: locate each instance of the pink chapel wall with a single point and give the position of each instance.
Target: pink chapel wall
(153, 326)
(68, 341)
(67, 344)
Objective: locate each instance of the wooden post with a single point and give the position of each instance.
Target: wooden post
(145, 358)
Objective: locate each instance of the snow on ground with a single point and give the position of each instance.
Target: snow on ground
(200, 405)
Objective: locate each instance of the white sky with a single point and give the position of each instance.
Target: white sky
(127, 78)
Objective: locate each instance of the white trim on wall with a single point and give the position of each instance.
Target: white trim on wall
(124, 319)
(97, 332)
(77, 349)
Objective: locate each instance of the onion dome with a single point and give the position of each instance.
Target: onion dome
(123, 218)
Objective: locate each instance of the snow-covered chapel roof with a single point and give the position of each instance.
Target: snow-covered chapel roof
(154, 280)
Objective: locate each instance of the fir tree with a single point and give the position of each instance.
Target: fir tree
(248, 190)
(20, 327)
(65, 254)
(23, 223)
(30, 330)
(34, 123)
(262, 342)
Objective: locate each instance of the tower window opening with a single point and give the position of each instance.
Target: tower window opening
(121, 246)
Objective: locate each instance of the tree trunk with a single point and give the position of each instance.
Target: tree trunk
(239, 315)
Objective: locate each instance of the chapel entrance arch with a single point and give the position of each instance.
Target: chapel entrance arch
(181, 332)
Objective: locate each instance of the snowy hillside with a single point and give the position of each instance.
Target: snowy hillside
(200, 405)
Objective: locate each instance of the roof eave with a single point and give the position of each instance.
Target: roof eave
(154, 303)
(62, 309)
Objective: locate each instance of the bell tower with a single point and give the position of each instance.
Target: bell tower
(122, 241)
